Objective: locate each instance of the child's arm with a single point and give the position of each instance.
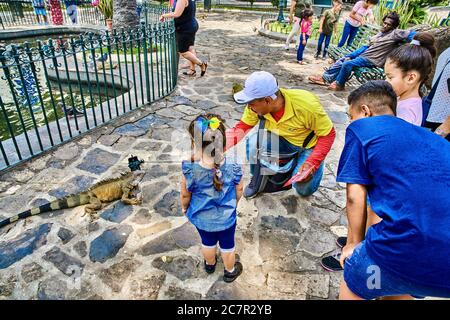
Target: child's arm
(322, 19)
(185, 195)
(239, 190)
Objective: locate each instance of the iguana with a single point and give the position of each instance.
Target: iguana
(102, 192)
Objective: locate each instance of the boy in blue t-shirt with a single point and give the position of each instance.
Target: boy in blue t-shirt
(39, 10)
(405, 170)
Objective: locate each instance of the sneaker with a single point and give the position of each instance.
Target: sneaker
(332, 263)
(231, 276)
(251, 190)
(341, 242)
(286, 47)
(316, 56)
(210, 268)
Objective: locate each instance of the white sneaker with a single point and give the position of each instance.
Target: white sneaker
(286, 47)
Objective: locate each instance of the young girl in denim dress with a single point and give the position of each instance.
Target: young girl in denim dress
(211, 187)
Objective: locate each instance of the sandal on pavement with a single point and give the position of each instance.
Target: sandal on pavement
(335, 87)
(205, 65)
(317, 80)
(191, 74)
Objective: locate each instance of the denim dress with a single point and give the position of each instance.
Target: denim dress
(211, 210)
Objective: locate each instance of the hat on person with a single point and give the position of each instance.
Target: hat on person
(258, 85)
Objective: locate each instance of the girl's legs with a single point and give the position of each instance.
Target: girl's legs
(345, 34)
(301, 48)
(210, 255)
(229, 259)
(294, 32)
(353, 33)
(327, 44)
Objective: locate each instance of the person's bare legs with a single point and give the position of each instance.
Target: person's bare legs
(229, 259)
(192, 50)
(210, 255)
(346, 294)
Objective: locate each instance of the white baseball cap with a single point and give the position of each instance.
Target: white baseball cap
(258, 85)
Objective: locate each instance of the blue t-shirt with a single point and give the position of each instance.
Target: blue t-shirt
(407, 173)
(209, 209)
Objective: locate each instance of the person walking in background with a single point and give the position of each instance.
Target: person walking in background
(71, 9)
(356, 19)
(328, 24)
(211, 187)
(295, 15)
(305, 33)
(186, 26)
(39, 10)
(56, 12)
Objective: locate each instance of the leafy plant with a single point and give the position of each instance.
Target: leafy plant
(106, 7)
(433, 20)
(403, 8)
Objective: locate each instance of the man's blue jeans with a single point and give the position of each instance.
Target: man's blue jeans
(347, 67)
(301, 48)
(268, 144)
(327, 39)
(348, 32)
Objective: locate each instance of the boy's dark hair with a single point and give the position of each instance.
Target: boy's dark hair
(378, 95)
(338, 2)
(374, 2)
(394, 17)
(214, 140)
(306, 13)
(416, 57)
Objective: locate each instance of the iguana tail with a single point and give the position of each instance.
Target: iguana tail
(58, 204)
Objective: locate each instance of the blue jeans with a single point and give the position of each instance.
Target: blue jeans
(327, 39)
(302, 188)
(350, 33)
(347, 67)
(365, 278)
(301, 48)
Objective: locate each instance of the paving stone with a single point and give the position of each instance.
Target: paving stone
(93, 226)
(188, 110)
(288, 284)
(118, 212)
(182, 237)
(65, 235)
(108, 244)
(7, 285)
(176, 293)
(169, 205)
(280, 223)
(338, 117)
(163, 134)
(183, 267)
(116, 275)
(205, 104)
(130, 130)
(31, 272)
(221, 290)
(291, 204)
(109, 139)
(98, 161)
(319, 285)
(73, 186)
(339, 198)
(63, 262)
(52, 289)
(124, 143)
(143, 216)
(297, 262)
(154, 229)
(23, 245)
(170, 113)
(81, 248)
(180, 100)
(150, 121)
(317, 241)
(147, 287)
(150, 192)
(149, 146)
(67, 152)
(322, 215)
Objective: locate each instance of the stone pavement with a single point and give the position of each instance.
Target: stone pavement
(151, 251)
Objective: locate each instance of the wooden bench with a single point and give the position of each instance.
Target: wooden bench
(362, 75)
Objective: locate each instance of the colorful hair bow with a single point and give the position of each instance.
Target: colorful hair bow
(203, 124)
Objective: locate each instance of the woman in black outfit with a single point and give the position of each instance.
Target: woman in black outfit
(186, 27)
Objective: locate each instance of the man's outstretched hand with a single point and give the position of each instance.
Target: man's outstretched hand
(304, 174)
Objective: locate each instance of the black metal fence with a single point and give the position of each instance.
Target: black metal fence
(52, 91)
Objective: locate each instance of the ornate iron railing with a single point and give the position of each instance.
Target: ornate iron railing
(52, 91)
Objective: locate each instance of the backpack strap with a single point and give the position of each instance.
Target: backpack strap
(308, 139)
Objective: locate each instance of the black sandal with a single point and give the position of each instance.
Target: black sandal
(191, 74)
(203, 71)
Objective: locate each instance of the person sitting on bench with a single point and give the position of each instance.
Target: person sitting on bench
(370, 56)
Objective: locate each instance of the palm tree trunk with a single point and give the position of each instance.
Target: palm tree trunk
(125, 15)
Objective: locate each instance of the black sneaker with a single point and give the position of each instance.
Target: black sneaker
(332, 263)
(316, 56)
(210, 268)
(251, 190)
(231, 276)
(341, 242)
